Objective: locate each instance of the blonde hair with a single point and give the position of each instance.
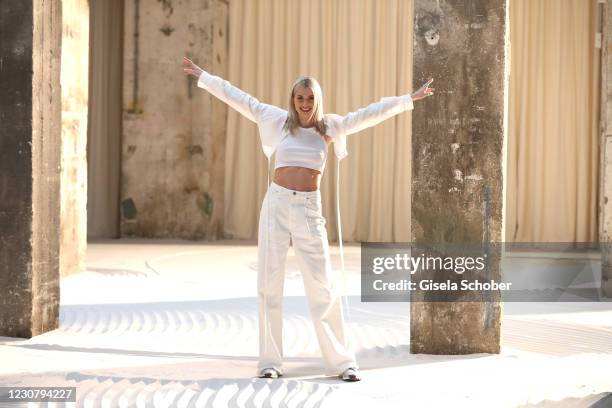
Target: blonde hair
(293, 120)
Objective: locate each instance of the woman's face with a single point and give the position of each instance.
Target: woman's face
(303, 101)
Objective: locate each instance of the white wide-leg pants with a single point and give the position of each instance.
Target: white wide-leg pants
(296, 215)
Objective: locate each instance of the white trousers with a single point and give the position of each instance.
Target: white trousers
(296, 215)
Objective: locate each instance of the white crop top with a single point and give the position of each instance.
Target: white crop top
(304, 147)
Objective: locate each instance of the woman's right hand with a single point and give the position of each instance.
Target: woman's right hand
(190, 68)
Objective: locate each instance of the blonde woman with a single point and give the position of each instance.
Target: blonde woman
(291, 209)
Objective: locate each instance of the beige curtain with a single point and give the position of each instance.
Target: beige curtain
(360, 51)
(104, 132)
(553, 115)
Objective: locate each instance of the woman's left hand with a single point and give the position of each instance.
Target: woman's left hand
(423, 91)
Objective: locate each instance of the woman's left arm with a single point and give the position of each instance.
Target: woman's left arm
(387, 107)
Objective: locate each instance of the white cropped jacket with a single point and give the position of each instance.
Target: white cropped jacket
(270, 119)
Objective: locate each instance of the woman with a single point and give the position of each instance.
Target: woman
(291, 209)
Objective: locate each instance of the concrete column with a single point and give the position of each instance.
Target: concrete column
(30, 112)
(74, 81)
(458, 146)
(605, 179)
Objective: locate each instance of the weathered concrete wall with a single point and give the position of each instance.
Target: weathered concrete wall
(30, 113)
(605, 183)
(173, 133)
(74, 82)
(457, 144)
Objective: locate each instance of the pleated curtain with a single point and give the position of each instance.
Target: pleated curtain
(359, 51)
(553, 152)
(104, 119)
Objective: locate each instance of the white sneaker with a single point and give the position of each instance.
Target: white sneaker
(269, 373)
(350, 374)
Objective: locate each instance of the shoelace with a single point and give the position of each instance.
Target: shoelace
(339, 226)
(265, 288)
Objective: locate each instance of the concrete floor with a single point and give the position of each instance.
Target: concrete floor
(169, 323)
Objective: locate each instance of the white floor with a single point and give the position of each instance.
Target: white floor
(167, 323)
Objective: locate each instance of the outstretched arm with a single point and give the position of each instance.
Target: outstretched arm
(379, 111)
(235, 97)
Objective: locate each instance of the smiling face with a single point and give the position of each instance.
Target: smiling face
(303, 101)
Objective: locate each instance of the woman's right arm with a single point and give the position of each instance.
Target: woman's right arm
(235, 97)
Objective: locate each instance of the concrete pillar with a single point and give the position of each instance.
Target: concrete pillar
(605, 179)
(458, 146)
(74, 82)
(172, 131)
(30, 112)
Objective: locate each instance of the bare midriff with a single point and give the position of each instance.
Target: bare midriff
(297, 178)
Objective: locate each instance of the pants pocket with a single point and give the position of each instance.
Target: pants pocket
(314, 216)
